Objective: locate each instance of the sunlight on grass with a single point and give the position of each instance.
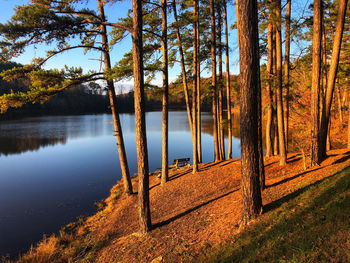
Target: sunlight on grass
(312, 227)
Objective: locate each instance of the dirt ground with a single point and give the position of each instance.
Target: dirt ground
(195, 212)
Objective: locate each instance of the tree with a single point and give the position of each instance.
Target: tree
(213, 80)
(280, 123)
(316, 79)
(249, 85)
(43, 21)
(228, 88)
(286, 70)
(140, 121)
(269, 74)
(194, 89)
(183, 66)
(220, 85)
(199, 122)
(165, 94)
(325, 117)
(112, 97)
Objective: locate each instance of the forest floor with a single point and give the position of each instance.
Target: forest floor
(196, 216)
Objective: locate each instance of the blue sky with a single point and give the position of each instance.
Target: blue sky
(113, 12)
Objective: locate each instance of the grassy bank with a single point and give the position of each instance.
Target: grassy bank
(310, 225)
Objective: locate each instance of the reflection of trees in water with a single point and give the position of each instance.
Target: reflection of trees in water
(207, 125)
(10, 146)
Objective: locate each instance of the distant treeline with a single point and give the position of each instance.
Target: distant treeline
(88, 99)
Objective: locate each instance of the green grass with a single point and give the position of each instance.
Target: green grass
(311, 224)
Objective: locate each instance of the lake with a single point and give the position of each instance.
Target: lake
(54, 168)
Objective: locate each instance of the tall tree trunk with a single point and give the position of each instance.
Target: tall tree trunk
(348, 123)
(183, 67)
(286, 71)
(316, 80)
(323, 69)
(199, 119)
(194, 91)
(220, 86)
(274, 70)
(269, 73)
(280, 123)
(328, 143)
(340, 107)
(228, 88)
(113, 103)
(213, 80)
(164, 178)
(332, 76)
(249, 85)
(140, 121)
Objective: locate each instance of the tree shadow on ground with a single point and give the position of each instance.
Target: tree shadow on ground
(342, 160)
(230, 162)
(277, 203)
(169, 220)
(291, 178)
(210, 165)
(312, 227)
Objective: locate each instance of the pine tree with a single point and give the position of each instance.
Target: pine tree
(249, 85)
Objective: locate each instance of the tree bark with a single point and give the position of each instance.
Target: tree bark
(249, 85)
(280, 123)
(194, 92)
(316, 80)
(286, 71)
(274, 99)
(199, 119)
(340, 107)
(113, 103)
(332, 76)
(165, 126)
(140, 121)
(348, 123)
(220, 86)
(269, 74)
(213, 80)
(228, 88)
(183, 67)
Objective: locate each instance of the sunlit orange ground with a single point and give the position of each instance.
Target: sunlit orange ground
(195, 212)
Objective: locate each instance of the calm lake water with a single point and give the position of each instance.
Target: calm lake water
(53, 168)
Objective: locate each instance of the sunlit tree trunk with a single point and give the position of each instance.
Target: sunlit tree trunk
(280, 123)
(113, 103)
(316, 80)
(274, 99)
(220, 86)
(199, 119)
(340, 106)
(323, 69)
(213, 80)
(140, 121)
(269, 74)
(164, 177)
(286, 71)
(183, 68)
(249, 85)
(194, 91)
(228, 88)
(332, 76)
(348, 123)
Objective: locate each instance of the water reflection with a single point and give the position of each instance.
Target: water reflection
(53, 168)
(31, 134)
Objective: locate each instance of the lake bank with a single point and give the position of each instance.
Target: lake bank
(192, 214)
(54, 168)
